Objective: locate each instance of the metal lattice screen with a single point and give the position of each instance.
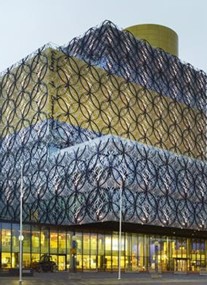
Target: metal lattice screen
(106, 111)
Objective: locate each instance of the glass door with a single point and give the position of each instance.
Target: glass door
(181, 265)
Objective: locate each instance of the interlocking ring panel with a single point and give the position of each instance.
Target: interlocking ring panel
(84, 184)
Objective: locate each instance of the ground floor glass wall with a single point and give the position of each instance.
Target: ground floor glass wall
(99, 251)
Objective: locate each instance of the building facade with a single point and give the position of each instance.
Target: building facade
(104, 127)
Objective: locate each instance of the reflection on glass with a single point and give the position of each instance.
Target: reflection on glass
(35, 239)
(53, 241)
(44, 240)
(27, 240)
(62, 242)
(15, 238)
(6, 260)
(6, 237)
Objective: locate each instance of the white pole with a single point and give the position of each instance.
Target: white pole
(20, 229)
(120, 223)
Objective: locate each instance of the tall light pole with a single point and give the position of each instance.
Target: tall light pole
(20, 227)
(120, 227)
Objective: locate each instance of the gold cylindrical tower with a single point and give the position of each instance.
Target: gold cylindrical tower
(158, 36)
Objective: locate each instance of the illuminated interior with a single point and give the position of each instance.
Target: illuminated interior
(99, 251)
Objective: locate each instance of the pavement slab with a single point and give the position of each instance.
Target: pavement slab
(102, 278)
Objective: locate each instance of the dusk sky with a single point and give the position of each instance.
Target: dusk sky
(27, 25)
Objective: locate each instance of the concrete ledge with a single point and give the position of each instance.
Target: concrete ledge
(203, 271)
(131, 271)
(180, 272)
(15, 272)
(155, 274)
(74, 276)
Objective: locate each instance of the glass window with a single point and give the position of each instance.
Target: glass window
(15, 260)
(6, 260)
(93, 244)
(26, 260)
(6, 237)
(128, 251)
(101, 246)
(15, 238)
(44, 240)
(93, 257)
(135, 256)
(79, 259)
(78, 238)
(68, 241)
(62, 242)
(115, 251)
(197, 254)
(86, 243)
(108, 244)
(53, 241)
(115, 244)
(181, 247)
(35, 239)
(86, 251)
(107, 259)
(141, 253)
(35, 257)
(27, 238)
(101, 253)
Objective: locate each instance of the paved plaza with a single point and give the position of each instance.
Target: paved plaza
(88, 278)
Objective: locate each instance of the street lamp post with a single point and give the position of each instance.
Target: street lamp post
(20, 229)
(156, 256)
(120, 227)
